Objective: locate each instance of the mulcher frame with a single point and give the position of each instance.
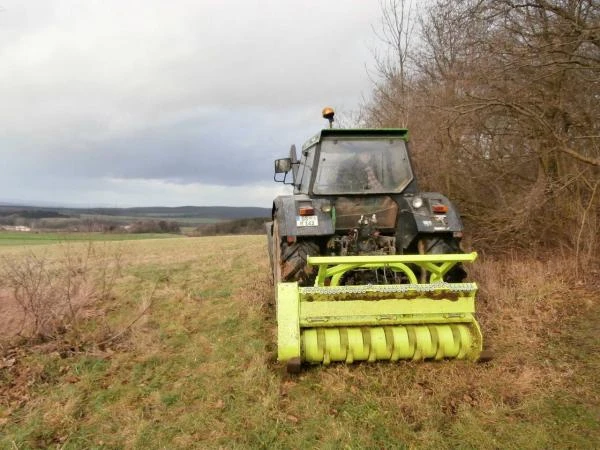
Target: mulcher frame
(381, 312)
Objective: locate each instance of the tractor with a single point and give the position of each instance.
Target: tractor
(366, 267)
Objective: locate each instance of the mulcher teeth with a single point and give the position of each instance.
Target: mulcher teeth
(415, 321)
(414, 342)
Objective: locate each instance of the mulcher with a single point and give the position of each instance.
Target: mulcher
(365, 266)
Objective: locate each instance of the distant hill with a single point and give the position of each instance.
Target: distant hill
(30, 213)
(163, 212)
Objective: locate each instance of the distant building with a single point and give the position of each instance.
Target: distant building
(16, 228)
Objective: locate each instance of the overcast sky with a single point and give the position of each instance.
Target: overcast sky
(144, 102)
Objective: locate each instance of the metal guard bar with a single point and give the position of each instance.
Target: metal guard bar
(332, 268)
(399, 288)
(434, 291)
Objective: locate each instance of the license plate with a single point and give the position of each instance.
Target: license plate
(307, 221)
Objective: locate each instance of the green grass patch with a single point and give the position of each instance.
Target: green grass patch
(15, 238)
(198, 371)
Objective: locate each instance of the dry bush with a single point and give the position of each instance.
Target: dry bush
(238, 226)
(523, 299)
(501, 98)
(154, 226)
(55, 295)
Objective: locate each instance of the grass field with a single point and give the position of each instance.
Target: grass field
(198, 369)
(17, 238)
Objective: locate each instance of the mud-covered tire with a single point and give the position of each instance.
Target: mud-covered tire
(269, 231)
(443, 245)
(293, 261)
(276, 254)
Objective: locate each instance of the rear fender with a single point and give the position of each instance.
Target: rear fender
(429, 222)
(285, 211)
(422, 220)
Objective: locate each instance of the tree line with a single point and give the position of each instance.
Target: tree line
(251, 225)
(502, 100)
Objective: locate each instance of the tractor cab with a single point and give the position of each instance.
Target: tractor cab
(350, 162)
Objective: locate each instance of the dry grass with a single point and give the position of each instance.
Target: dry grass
(45, 296)
(198, 369)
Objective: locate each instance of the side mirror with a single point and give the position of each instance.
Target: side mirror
(283, 165)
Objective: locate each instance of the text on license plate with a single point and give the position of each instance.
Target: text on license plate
(307, 221)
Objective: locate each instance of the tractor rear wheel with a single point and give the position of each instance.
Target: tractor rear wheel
(440, 245)
(293, 261)
(290, 260)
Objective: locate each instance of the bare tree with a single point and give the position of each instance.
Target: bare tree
(504, 111)
(391, 81)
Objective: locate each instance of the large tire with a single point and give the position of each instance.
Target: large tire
(293, 259)
(441, 245)
(269, 229)
(276, 254)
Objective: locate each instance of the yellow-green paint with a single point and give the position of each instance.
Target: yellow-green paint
(288, 321)
(432, 320)
(332, 268)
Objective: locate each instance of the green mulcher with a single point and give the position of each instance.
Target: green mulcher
(365, 266)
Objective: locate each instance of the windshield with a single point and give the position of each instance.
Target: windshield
(362, 167)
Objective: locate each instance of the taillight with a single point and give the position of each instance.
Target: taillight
(306, 211)
(439, 209)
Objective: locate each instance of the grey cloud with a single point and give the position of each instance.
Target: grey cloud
(186, 92)
(225, 149)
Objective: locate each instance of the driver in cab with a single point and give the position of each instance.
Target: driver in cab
(360, 173)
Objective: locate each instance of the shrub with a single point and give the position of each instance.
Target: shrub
(154, 226)
(240, 226)
(52, 295)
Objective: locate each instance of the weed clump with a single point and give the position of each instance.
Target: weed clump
(52, 297)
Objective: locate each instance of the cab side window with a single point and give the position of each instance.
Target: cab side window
(307, 170)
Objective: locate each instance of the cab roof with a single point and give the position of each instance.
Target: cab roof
(401, 133)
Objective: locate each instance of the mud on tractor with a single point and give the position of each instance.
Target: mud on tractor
(365, 266)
